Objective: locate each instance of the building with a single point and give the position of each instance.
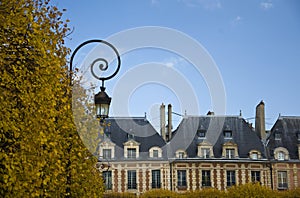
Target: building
(204, 151)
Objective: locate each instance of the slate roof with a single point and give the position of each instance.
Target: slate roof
(289, 129)
(185, 136)
(242, 134)
(142, 131)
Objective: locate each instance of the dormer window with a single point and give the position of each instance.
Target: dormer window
(227, 134)
(230, 150)
(230, 153)
(277, 135)
(155, 152)
(107, 150)
(201, 133)
(106, 153)
(131, 153)
(130, 136)
(180, 154)
(254, 154)
(281, 153)
(131, 149)
(205, 150)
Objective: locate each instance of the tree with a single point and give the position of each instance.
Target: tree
(41, 154)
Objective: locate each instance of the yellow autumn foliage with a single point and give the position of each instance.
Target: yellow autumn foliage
(41, 154)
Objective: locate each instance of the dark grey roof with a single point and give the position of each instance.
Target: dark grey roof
(288, 127)
(242, 134)
(185, 136)
(142, 131)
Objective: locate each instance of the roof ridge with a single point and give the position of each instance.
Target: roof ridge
(123, 117)
(290, 117)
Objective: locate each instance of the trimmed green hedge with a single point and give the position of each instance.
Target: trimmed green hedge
(248, 190)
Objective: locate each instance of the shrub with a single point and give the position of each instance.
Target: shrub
(119, 195)
(207, 192)
(250, 190)
(160, 193)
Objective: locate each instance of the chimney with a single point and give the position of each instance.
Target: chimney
(169, 122)
(260, 127)
(210, 113)
(162, 121)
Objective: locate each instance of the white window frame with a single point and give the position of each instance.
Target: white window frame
(230, 153)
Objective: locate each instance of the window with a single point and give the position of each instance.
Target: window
(205, 152)
(206, 178)
(107, 179)
(131, 179)
(277, 135)
(106, 153)
(181, 178)
(155, 153)
(280, 155)
(230, 178)
(254, 155)
(228, 134)
(155, 178)
(282, 180)
(230, 153)
(201, 133)
(255, 176)
(181, 154)
(130, 136)
(131, 153)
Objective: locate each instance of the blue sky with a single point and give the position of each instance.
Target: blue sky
(255, 45)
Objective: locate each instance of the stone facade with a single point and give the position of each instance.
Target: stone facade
(198, 157)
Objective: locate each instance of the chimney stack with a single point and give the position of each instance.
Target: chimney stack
(162, 121)
(169, 121)
(260, 127)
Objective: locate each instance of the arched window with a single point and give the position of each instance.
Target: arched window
(254, 154)
(155, 152)
(281, 153)
(180, 154)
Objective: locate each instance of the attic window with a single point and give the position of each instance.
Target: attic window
(201, 133)
(130, 136)
(155, 153)
(228, 134)
(180, 155)
(277, 135)
(254, 154)
(280, 155)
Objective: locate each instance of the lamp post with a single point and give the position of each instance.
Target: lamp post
(102, 100)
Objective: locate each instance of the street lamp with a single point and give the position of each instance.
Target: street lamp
(102, 102)
(101, 99)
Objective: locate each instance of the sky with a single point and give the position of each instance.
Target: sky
(254, 45)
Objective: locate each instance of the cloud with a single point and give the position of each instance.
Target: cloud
(266, 5)
(237, 20)
(206, 4)
(173, 61)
